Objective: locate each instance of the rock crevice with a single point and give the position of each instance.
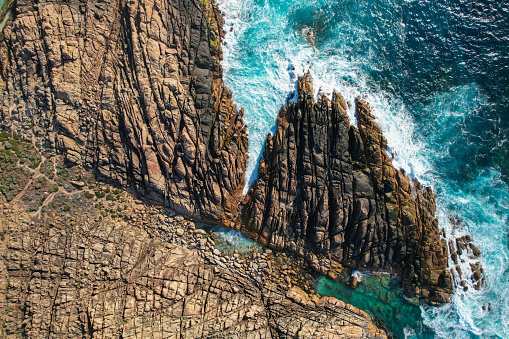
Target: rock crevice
(132, 90)
(328, 191)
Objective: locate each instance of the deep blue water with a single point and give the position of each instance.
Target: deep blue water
(437, 77)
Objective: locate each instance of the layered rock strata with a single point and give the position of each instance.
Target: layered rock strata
(131, 90)
(328, 191)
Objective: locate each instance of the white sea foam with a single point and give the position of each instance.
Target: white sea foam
(262, 73)
(409, 333)
(285, 58)
(358, 275)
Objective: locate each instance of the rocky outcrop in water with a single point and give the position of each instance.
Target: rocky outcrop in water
(132, 90)
(328, 191)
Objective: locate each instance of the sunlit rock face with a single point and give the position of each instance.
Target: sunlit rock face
(132, 90)
(328, 190)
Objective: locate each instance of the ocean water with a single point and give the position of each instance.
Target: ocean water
(437, 77)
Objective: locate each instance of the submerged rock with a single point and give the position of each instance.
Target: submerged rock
(353, 283)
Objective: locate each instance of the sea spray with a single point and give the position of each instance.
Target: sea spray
(437, 130)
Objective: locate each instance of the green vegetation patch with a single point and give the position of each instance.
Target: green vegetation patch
(26, 152)
(37, 192)
(47, 169)
(89, 195)
(12, 178)
(4, 136)
(63, 173)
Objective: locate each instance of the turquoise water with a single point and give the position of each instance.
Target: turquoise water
(380, 294)
(228, 240)
(437, 77)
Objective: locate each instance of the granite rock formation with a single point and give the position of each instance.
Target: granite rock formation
(328, 191)
(81, 267)
(131, 90)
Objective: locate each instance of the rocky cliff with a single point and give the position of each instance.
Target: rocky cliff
(131, 90)
(328, 191)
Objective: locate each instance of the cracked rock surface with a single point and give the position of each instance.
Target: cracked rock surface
(132, 90)
(328, 191)
(73, 273)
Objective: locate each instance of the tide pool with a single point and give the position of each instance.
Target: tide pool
(228, 240)
(381, 296)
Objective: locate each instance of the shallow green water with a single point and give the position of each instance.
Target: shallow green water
(381, 296)
(436, 74)
(378, 294)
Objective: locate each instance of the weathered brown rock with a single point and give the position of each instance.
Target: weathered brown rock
(132, 90)
(77, 275)
(328, 191)
(353, 283)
